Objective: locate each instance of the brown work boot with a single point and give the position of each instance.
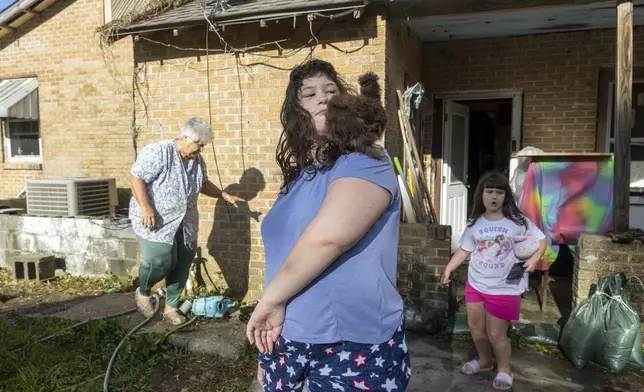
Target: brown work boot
(173, 316)
(144, 304)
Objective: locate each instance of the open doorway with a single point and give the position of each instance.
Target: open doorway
(490, 140)
(479, 133)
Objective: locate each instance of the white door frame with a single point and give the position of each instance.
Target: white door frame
(485, 95)
(446, 182)
(517, 108)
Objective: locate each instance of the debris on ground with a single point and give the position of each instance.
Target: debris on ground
(538, 333)
(15, 294)
(76, 360)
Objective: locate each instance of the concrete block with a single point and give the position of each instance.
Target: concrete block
(75, 264)
(129, 249)
(33, 267)
(95, 266)
(3, 239)
(48, 243)
(25, 243)
(67, 227)
(93, 228)
(74, 245)
(37, 225)
(121, 231)
(120, 267)
(11, 222)
(103, 248)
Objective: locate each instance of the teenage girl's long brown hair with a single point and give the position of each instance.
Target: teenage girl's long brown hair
(496, 180)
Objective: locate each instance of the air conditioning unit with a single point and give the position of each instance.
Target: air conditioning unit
(72, 197)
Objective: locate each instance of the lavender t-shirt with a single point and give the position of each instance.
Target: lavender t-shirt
(355, 299)
(492, 255)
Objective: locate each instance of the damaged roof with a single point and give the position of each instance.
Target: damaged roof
(19, 12)
(225, 12)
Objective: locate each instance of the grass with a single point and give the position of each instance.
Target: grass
(76, 361)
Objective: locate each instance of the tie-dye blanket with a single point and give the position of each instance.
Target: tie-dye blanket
(566, 197)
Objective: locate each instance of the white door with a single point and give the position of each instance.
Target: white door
(456, 129)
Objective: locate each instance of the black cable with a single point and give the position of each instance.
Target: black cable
(212, 143)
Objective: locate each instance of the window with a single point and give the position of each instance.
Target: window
(637, 129)
(20, 120)
(22, 140)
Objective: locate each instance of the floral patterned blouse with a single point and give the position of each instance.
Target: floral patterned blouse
(173, 189)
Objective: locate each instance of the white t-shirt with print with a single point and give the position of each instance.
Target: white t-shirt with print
(492, 256)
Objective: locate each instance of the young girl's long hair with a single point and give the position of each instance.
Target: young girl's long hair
(496, 180)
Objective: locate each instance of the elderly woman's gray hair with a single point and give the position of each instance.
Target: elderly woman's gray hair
(197, 130)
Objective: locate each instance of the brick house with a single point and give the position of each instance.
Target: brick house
(541, 69)
(65, 105)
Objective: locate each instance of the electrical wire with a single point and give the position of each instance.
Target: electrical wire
(212, 143)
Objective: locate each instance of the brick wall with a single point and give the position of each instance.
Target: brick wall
(403, 54)
(246, 95)
(85, 99)
(598, 256)
(423, 254)
(558, 73)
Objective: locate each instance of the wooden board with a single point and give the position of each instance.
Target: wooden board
(406, 200)
(623, 107)
(562, 154)
(408, 139)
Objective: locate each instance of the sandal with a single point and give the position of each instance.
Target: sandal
(174, 317)
(503, 382)
(473, 367)
(144, 304)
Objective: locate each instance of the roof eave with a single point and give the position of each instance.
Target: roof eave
(236, 20)
(20, 13)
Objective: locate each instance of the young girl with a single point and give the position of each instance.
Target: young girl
(496, 278)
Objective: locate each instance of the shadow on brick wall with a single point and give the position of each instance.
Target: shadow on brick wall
(229, 241)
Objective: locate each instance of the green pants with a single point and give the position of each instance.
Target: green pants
(171, 262)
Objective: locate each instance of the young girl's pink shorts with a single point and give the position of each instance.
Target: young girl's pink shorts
(503, 307)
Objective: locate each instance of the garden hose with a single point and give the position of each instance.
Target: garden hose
(109, 366)
(175, 329)
(158, 342)
(79, 324)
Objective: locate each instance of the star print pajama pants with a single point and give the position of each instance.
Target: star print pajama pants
(342, 367)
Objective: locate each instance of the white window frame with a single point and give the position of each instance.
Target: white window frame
(635, 141)
(7, 143)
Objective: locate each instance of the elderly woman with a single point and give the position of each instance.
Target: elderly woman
(330, 317)
(167, 178)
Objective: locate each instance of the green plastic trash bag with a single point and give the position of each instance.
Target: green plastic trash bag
(538, 333)
(621, 327)
(637, 358)
(423, 319)
(582, 333)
